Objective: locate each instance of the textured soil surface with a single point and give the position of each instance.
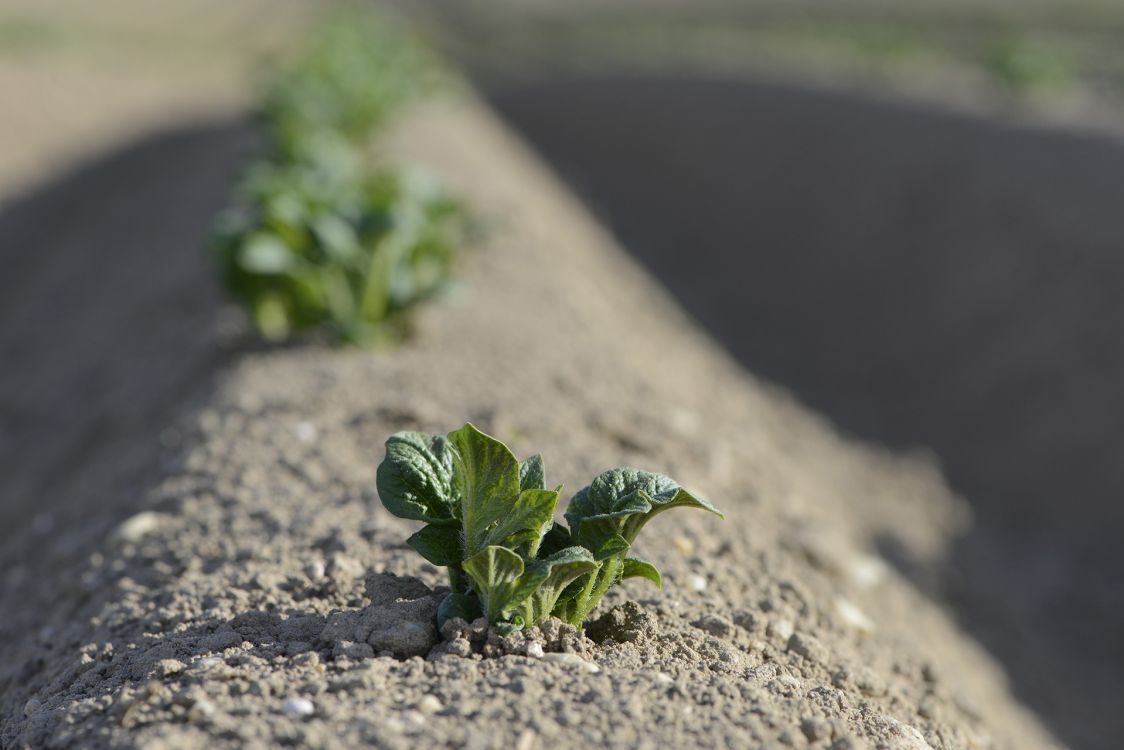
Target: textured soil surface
(253, 593)
(920, 278)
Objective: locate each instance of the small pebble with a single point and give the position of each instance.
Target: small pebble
(534, 650)
(867, 571)
(573, 660)
(780, 628)
(314, 570)
(683, 545)
(853, 616)
(662, 678)
(135, 528)
(32, 706)
(298, 708)
(304, 431)
(698, 583)
(528, 740)
(905, 736)
(200, 710)
(430, 704)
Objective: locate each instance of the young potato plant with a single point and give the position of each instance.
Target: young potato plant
(322, 239)
(356, 69)
(489, 520)
(322, 245)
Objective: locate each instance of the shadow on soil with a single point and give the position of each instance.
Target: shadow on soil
(108, 317)
(923, 279)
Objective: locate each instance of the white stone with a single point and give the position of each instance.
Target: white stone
(906, 737)
(853, 616)
(534, 650)
(698, 583)
(314, 570)
(135, 528)
(430, 704)
(866, 571)
(305, 431)
(780, 628)
(202, 709)
(528, 740)
(573, 660)
(298, 708)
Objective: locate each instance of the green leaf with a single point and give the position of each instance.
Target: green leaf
(611, 546)
(501, 580)
(493, 509)
(636, 568)
(415, 480)
(563, 567)
(507, 628)
(336, 236)
(455, 604)
(565, 607)
(582, 596)
(532, 475)
(265, 254)
(621, 501)
(440, 545)
(526, 522)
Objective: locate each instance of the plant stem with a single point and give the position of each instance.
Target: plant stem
(598, 584)
(375, 298)
(456, 579)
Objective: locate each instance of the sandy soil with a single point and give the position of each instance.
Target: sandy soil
(234, 607)
(923, 279)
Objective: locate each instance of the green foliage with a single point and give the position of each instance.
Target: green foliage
(320, 238)
(1022, 64)
(491, 523)
(357, 69)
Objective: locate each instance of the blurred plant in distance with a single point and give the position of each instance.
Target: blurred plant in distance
(359, 67)
(321, 237)
(1019, 63)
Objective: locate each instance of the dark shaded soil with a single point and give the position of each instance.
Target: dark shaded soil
(109, 326)
(923, 279)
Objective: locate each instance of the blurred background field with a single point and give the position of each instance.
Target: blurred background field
(1057, 59)
(78, 78)
(906, 212)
